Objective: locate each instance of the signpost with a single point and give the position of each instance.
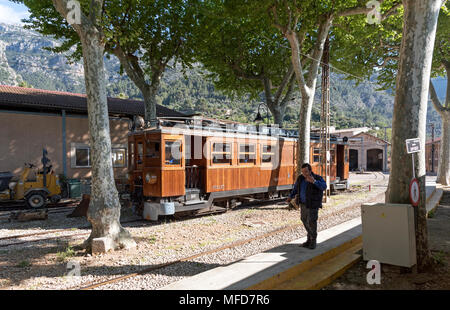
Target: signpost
(414, 192)
(413, 146)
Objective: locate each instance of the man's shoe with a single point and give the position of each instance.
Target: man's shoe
(312, 245)
(306, 244)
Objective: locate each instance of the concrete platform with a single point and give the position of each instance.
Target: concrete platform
(290, 266)
(439, 226)
(267, 266)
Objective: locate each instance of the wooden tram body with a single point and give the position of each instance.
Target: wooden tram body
(203, 166)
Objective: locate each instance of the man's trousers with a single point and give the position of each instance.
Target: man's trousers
(309, 219)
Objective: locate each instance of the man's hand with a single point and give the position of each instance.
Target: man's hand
(310, 179)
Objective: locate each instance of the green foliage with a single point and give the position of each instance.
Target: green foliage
(24, 264)
(439, 258)
(66, 254)
(366, 50)
(239, 47)
(25, 84)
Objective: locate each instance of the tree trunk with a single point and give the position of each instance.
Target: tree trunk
(304, 131)
(104, 207)
(410, 110)
(308, 87)
(149, 94)
(134, 71)
(443, 176)
(278, 116)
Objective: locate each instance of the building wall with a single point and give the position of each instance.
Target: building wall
(22, 138)
(24, 135)
(369, 143)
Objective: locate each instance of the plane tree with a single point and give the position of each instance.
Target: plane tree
(104, 208)
(306, 25)
(404, 54)
(242, 55)
(373, 51)
(441, 67)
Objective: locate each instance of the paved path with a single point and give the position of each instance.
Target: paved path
(439, 225)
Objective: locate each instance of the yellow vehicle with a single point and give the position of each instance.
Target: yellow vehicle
(37, 192)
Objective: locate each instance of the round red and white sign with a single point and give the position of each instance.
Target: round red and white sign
(414, 192)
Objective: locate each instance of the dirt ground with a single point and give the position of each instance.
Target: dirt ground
(398, 278)
(437, 277)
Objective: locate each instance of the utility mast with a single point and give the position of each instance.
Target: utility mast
(325, 119)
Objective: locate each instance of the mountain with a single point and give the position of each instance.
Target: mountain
(23, 59)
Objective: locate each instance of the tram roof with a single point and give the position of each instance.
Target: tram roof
(213, 127)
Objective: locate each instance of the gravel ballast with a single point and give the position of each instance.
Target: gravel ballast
(46, 264)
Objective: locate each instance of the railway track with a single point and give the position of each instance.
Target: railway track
(6, 209)
(379, 178)
(144, 222)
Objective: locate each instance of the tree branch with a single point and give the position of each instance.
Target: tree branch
(243, 74)
(318, 49)
(267, 91)
(286, 79)
(131, 65)
(289, 92)
(86, 24)
(276, 23)
(386, 59)
(391, 11)
(435, 100)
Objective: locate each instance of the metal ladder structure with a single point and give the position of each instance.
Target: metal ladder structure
(325, 119)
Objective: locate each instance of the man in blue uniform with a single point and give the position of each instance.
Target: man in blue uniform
(309, 189)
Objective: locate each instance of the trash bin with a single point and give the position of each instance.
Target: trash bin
(74, 188)
(86, 186)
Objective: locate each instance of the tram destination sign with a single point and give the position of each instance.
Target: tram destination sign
(413, 145)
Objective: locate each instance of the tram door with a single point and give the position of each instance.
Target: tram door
(340, 164)
(195, 161)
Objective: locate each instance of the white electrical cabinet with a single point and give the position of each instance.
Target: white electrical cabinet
(388, 233)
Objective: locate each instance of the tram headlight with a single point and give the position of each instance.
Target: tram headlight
(150, 178)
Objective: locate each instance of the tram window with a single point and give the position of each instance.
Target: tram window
(346, 155)
(222, 147)
(267, 153)
(152, 149)
(173, 152)
(131, 148)
(316, 155)
(333, 156)
(140, 152)
(221, 153)
(118, 156)
(247, 154)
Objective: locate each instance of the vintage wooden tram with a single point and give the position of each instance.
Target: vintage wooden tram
(204, 165)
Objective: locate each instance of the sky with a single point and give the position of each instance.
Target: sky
(12, 13)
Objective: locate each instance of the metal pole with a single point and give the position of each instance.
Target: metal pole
(385, 148)
(325, 119)
(432, 148)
